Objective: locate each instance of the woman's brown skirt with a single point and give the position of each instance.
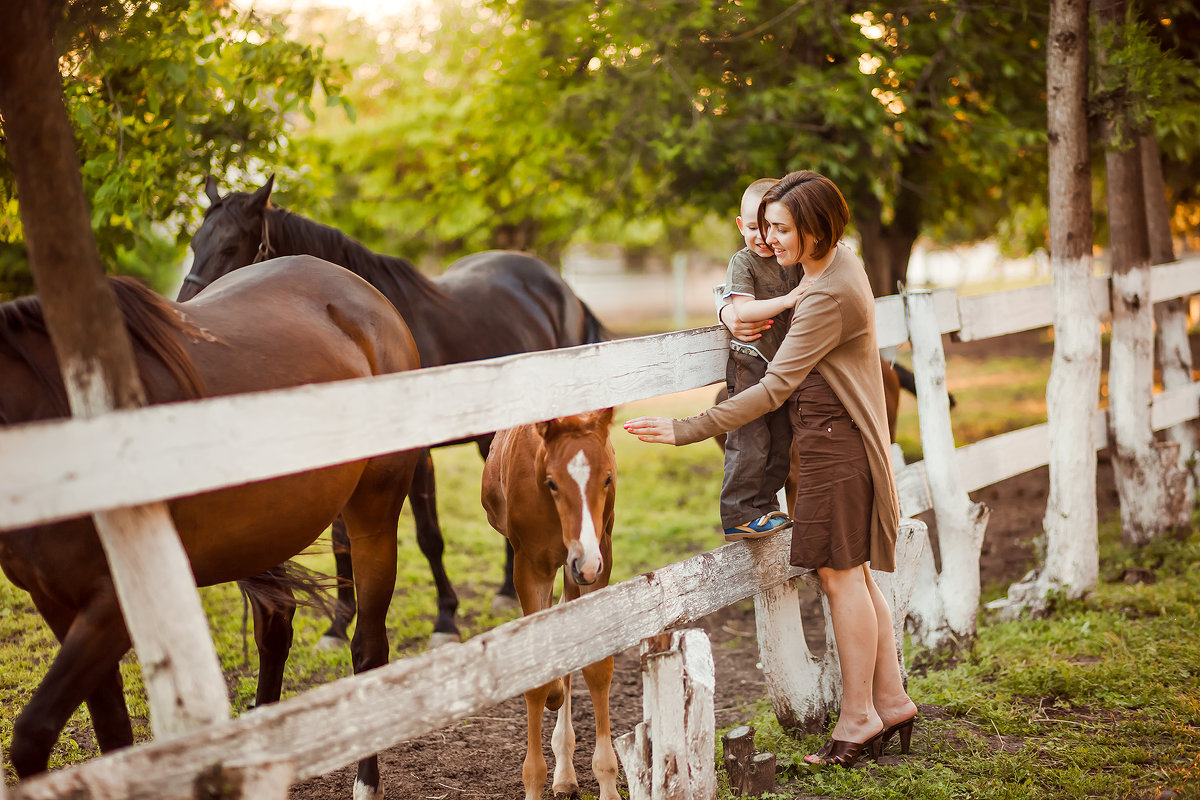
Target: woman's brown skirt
(835, 494)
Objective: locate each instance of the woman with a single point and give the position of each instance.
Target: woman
(847, 512)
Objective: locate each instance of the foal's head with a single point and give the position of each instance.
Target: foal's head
(580, 471)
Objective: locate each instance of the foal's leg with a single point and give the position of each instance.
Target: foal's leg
(534, 591)
(604, 759)
(562, 744)
(92, 646)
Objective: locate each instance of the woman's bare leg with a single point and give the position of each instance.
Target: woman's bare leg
(891, 701)
(856, 630)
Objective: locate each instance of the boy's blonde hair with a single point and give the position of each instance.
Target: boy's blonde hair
(758, 188)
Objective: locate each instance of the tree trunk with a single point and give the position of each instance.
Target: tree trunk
(95, 356)
(1072, 548)
(1171, 322)
(886, 248)
(1146, 479)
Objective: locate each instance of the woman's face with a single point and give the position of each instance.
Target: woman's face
(782, 235)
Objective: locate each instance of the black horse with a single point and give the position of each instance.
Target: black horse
(485, 305)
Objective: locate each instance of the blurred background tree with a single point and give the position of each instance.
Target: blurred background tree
(456, 126)
(161, 94)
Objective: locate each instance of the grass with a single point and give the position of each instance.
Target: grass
(1099, 699)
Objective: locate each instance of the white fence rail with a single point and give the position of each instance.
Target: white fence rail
(56, 470)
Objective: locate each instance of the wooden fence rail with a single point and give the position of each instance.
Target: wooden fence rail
(52, 471)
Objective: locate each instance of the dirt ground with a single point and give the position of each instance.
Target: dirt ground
(481, 757)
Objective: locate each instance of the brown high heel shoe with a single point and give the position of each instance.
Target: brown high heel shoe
(838, 753)
(904, 727)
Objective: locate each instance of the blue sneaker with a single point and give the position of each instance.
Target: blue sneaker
(758, 528)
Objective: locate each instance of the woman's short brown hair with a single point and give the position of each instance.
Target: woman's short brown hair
(816, 206)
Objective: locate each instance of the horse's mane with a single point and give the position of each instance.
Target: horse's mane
(395, 277)
(149, 318)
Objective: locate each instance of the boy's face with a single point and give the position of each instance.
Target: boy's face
(747, 223)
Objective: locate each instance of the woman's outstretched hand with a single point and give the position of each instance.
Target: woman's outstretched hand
(652, 429)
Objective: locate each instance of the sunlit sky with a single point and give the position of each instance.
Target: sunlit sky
(370, 9)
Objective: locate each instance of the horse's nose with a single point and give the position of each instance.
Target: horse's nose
(585, 568)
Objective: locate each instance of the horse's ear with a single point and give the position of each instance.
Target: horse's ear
(542, 428)
(603, 417)
(210, 189)
(262, 196)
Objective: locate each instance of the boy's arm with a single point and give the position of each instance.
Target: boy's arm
(750, 310)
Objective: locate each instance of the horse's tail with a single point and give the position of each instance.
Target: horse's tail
(908, 382)
(291, 584)
(593, 329)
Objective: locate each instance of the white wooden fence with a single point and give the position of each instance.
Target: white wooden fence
(56, 470)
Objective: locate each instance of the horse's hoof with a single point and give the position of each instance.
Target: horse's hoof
(566, 791)
(437, 640)
(503, 602)
(364, 792)
(329, 643)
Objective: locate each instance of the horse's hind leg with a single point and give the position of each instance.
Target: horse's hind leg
(110, 716)
(273, 636)
(429, 538)
(338, 633)
(371, 518)
(93, 642)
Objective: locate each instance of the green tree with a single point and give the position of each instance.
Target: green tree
(929, 117)
(161, 95)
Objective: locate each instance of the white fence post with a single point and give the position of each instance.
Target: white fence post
(165, 619)
(672, 754)
(960, 522)
(802, 687)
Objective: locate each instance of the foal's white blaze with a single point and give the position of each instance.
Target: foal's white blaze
(589, 565)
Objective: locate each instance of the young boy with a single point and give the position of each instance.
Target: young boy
(757, 455)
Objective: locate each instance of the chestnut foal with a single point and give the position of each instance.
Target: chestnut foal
(550, 488)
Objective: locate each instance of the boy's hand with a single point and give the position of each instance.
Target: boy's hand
(743, 331)
(794, 295)
(660, 430)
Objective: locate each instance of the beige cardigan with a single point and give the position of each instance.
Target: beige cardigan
(833, 331)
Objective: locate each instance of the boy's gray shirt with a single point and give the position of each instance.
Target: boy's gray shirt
(762, 278)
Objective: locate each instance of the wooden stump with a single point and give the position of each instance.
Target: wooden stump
(750, 774)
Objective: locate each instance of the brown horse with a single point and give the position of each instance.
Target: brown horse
(484, 305)
(283, 323)
(551, 489)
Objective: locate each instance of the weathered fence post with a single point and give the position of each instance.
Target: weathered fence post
(945, 607)
(670, 755)
(804, 688)
(1171, 324)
